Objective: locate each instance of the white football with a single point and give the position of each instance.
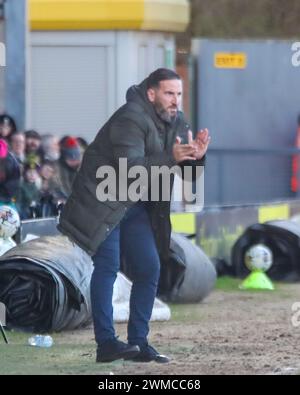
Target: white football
(259, 257)
(9, 221)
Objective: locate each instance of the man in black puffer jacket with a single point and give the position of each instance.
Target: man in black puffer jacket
(146, 132)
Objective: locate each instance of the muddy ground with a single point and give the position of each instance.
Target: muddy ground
(231, 332)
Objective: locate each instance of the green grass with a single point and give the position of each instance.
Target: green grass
(71, 355)
(228, 284)
(195, 312)
(186, 312)
(231, 284)
(20, 358)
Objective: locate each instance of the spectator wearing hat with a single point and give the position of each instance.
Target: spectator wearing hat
(9, 174)
(69, 164)
(7, 126)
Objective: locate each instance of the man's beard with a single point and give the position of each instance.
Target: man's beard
(163, 114)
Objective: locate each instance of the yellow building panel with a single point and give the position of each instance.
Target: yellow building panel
(271, 213)
(86, 14)
(157, 15)
(183, 223)
(166, 15)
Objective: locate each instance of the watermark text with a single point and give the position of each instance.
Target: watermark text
(154, 183)
(2, 314)
(296, 54)
(296, 314)
(2, 55)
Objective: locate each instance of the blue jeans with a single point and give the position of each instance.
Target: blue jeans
(134, 236)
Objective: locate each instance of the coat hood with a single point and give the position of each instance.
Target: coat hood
(138, 94)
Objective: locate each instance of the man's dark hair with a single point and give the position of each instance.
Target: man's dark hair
(10, 120)
(32, 134)
(161, 75)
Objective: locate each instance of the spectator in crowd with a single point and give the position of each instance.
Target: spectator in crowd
(51, 194)
(83, 144)
(69, 164)
(63, 140)
(33, 147)
(47, 173)
(50, 181)
(7, 126)
(50, 148)
(9, 174)
(48, 167)
(29, 195)
(17, 143)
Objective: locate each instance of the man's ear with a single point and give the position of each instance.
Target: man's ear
(151, 95)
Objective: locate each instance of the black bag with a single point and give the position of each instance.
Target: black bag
(282, 237)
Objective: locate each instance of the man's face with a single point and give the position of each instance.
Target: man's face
(5, 130)
(31, 175)
(47, 172)
(166, 98)
(18, 143)
(32, 144)
(73, 163)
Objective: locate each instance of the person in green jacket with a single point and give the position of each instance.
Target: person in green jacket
(29, 194)
(104, 219)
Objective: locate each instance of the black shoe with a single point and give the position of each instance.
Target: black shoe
(149, 354)
(114, 349)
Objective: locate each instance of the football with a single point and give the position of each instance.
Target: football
(259, 257)
(9, 221)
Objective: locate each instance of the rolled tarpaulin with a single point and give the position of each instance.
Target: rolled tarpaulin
(45, 285)
(282, 237)
(189, 275)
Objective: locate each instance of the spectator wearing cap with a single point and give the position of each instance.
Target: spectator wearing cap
(33, 147)
(29, 194)
(7, 126)
(69, 163)
(9, 174)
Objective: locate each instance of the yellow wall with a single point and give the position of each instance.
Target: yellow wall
(167, 15)
(157, 15)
